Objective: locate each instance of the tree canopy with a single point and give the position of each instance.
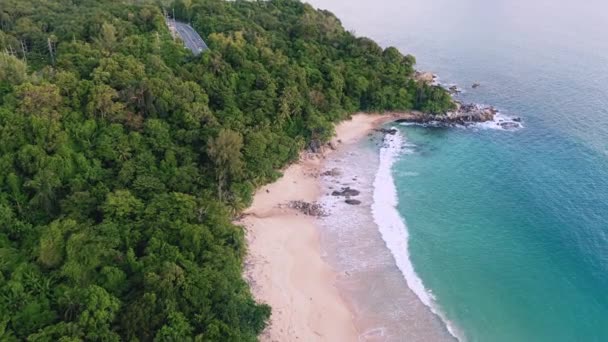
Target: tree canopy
(123, 157)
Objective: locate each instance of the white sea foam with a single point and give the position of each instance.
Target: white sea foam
(392, 226)
(501, 122)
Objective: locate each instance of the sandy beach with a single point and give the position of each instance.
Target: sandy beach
(284, 266)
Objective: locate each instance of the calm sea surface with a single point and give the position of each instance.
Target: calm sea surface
(507, 229)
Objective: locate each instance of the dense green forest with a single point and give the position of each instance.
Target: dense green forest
(124, 158)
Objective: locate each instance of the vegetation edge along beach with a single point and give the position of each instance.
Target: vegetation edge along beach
(124, 158)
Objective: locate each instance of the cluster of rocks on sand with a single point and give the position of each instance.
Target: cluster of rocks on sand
(333, 172)
(308, 208)
(348, 192)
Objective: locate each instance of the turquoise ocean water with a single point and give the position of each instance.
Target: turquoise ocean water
(507, 229)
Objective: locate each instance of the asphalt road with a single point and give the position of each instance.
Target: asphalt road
(191, 38)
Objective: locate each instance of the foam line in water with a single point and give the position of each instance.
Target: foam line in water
(392, 226)
(501, 122)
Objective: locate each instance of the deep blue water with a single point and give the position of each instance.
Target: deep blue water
(509, 230)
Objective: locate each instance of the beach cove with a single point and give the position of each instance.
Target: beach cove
(331, 278)
(284, 265)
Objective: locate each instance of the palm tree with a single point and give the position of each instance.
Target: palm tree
(45, 185)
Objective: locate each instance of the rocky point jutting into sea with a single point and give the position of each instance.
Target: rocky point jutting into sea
(464, 114)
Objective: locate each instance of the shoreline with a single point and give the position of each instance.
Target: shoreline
(368, 244)
(285, 265)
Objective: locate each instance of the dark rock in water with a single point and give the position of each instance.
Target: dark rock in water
(454, 90)
(352, 201)
(391, 131)
(517, 119)
(347, 191)
(509, 125)
(475, 85)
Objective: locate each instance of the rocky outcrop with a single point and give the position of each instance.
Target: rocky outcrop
(426, 77)
(472, 112)
(464, 114)
(352, 201)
